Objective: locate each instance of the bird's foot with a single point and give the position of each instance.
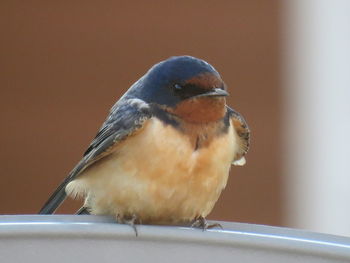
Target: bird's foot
(201, 222)
(129, 220)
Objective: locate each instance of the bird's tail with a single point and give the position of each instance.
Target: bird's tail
(55, 199)
(83, 211)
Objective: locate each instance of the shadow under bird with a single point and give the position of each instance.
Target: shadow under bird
(164, 153)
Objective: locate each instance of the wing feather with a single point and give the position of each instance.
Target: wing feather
(243, 135)
(126, 116)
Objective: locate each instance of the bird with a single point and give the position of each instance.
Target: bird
(164, 153)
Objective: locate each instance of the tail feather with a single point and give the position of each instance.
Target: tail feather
(55, 199)
(83, 211)
(60, 194)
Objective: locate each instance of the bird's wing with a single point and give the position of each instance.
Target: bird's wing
(126, 116)
(243, 135)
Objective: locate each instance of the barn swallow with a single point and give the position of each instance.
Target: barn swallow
(164, 153)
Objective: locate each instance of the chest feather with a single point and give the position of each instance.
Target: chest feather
(160, 173)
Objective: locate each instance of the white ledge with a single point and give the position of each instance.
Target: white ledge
(72, 238)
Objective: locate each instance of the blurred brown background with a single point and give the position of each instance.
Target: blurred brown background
(64, 64)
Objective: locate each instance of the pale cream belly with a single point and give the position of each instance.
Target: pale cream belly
(158, 176)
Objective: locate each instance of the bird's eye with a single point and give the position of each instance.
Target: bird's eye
(177, 87)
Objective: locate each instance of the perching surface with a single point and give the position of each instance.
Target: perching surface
(71, 238)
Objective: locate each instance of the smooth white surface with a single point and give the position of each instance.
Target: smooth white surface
(100, 239)
(317, 121)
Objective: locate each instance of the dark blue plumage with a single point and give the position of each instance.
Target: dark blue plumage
(156, 86)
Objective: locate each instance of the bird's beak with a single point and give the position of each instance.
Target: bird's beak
(214, 93)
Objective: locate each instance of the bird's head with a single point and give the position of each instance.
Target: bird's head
(185, 86)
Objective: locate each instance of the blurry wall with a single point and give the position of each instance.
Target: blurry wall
(64, 64)
(316, 80)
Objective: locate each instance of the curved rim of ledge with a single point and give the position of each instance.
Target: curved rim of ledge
(232, 234)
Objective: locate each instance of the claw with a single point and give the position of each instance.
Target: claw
(201, 222)
(131, 221)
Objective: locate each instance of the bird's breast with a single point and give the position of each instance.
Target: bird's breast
(159, 175)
